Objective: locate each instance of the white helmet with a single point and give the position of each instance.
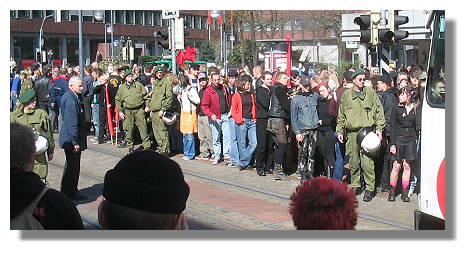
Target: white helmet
(169, 118)
(42, 144)
(368, 140)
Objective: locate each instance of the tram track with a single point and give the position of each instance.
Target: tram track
(283, 197)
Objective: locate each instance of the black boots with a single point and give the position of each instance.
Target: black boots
(368, 195)
(392, 194)
(260, 172)
(278, 174)
(404, 195)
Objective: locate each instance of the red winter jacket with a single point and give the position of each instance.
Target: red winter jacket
(237, 108)
(210, 101)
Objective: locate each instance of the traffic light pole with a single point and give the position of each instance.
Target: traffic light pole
(173, 45)
(80, 43)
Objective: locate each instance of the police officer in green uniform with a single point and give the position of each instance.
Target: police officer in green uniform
(38, 119)
(161, 101)
(360, 107)
(131, 102)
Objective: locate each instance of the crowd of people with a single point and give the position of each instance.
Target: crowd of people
(279, 124)
(274, 122)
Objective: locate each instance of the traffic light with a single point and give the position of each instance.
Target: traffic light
(364, 23)
(385, 36)
(163, 37)
(397, 20)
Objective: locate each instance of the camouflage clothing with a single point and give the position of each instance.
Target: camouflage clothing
(307, 154)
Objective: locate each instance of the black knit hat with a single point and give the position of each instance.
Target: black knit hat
(148, 181)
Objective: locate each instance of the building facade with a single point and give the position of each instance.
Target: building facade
(62, 37)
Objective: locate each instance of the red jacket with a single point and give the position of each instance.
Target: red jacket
(237, 108)
(210, 101)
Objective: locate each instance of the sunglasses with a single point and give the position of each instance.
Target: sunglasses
(362, 79)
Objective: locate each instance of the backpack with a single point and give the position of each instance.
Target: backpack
(26, 220)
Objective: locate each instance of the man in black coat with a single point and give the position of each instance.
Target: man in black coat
(388, 97)
(72, 136)
(41, 87)
(264, 146)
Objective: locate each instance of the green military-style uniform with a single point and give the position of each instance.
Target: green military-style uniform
(131, 99)
(358, 110)
(162, 100)
(26, 85)
(39, 120)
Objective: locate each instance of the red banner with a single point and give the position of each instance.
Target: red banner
(209, 18)
(108, 112)
(289, 62)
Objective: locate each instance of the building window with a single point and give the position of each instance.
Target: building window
(165, 22)
(188, 21)
(139, 17)
(288, 26)
(65, 15)
(157, 18)
(119, 17)
(204, 22)
(148, 18)
(197, 22)
(129, 17)
(74, 17)
(88, 18)
(50, 12)
(24, 14)
(12, 14)
(38, 14)
(107, 16)
(297, 25)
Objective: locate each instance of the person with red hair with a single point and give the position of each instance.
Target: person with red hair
(323, 204)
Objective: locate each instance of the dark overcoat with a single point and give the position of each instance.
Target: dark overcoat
(73, 128)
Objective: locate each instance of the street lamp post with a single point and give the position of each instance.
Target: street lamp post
(80, 43)
(40, 36)
(155, 36)
(223, 37)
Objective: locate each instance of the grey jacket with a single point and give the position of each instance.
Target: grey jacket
(303, 112)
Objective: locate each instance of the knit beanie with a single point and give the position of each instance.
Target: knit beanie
(148, 181)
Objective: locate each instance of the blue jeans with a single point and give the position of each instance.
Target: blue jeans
(217, 127)
(234, 142)
(96, 118)
(339, 161)
(247, 130)
(189, 149)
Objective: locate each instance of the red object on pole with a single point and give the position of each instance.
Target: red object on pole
(289, 60)
(108, 112)
(231, 18)
(180, 58)
(209, 18)
(221, 18)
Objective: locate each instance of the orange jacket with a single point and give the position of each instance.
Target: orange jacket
(237, 108)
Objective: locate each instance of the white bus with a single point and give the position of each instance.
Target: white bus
(432, 207)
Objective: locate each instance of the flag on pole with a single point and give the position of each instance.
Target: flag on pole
(209, 18)
(108, 112)
(221, 18)
(231, 18)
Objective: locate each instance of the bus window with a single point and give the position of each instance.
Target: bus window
(436, 88)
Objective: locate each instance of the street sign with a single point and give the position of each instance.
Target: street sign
(170, 14)
(179, 34)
